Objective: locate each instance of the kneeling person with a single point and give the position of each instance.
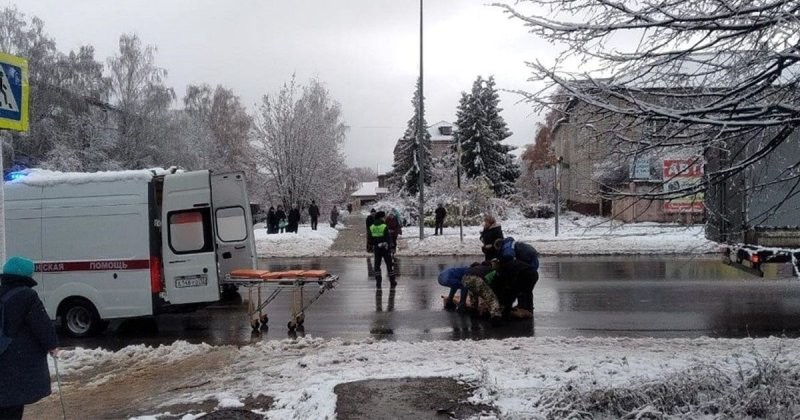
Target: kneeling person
(452, 278)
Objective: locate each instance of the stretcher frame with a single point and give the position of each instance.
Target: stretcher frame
(262, 291)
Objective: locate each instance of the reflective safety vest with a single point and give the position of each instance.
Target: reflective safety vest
(378, 231)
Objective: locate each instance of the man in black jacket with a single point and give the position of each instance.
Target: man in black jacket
(440, 213)
(313, 212)
(24, 375)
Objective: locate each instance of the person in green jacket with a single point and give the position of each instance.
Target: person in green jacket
(381, 242)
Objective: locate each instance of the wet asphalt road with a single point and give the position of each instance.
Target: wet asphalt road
(576, 296)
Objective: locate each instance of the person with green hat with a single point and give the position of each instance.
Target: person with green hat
(24, 375)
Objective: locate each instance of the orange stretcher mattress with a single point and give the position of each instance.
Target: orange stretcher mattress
(275, 275)
(248, 273)
(317, 274)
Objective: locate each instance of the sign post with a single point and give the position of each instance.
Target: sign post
(13, 116)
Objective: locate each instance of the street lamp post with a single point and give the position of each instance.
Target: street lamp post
(460, 194)
(420, 136)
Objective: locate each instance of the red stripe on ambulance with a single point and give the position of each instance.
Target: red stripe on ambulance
(106, 265)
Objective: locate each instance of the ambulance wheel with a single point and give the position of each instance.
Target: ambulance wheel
(79, 318)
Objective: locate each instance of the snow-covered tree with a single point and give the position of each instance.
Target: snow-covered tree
(225, 145)
(143, 99)
(480, 132)
(717, 77)
(299, 138)
(411, 153)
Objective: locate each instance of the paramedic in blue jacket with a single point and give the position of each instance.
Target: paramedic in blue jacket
(24, 375)
(451, 278)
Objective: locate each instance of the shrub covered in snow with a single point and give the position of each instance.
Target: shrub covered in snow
(538, 210)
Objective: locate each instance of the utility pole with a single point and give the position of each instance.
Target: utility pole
(460, 194)
(420, 136)
(558, 189)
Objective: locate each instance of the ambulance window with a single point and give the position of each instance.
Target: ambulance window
(190, 231)
(231, 224)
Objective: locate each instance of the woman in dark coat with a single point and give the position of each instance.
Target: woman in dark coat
(281, 216)
(272, 221)
(294, 219)
(24, 375)
(491, 232)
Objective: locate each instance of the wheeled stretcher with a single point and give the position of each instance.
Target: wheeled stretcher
(264, 286)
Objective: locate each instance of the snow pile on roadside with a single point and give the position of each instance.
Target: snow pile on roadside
(80, 359)
(578, 235)
(522, 377)
(304, 243)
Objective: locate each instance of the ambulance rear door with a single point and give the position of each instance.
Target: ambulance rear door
(190, 262)
(233, 222)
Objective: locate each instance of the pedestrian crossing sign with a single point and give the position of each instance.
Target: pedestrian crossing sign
(13, 92)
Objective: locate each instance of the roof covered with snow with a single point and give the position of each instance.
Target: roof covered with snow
(35, 177)
(369, 189)
(435, 131)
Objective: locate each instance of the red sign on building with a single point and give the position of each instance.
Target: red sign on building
(682, 174)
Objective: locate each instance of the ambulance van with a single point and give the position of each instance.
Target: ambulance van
(113, 245)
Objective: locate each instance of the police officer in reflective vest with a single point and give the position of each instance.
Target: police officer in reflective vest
(381, 242)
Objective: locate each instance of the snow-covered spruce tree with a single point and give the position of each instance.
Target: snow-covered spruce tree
(405, 170)
(480, 132)
(717, 77)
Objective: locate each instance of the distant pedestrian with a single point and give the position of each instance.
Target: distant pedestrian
(349, 208)
(381, 245)
(272, 221)
(334, 216)
(24, 375)
(293, 220)
(281, 215)
(491, 232)
(441, 213)
(313, 212)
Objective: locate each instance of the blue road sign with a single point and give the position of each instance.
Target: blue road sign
(13, 92)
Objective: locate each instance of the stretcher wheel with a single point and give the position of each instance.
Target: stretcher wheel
(255, 325)
(301, 319)
(291, 325)
(264, 320)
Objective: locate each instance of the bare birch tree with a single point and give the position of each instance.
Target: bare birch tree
(299, 138)
(719, 77)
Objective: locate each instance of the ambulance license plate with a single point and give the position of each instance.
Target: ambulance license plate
(191, 281)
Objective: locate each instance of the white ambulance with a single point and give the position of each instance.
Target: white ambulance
(112, 245)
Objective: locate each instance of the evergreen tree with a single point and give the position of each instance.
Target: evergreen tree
(480, 131)
(405, 170)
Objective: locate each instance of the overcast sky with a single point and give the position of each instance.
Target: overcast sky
(365, 51)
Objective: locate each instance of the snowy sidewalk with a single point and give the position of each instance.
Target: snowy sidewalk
(521, 378)
(578, 235)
